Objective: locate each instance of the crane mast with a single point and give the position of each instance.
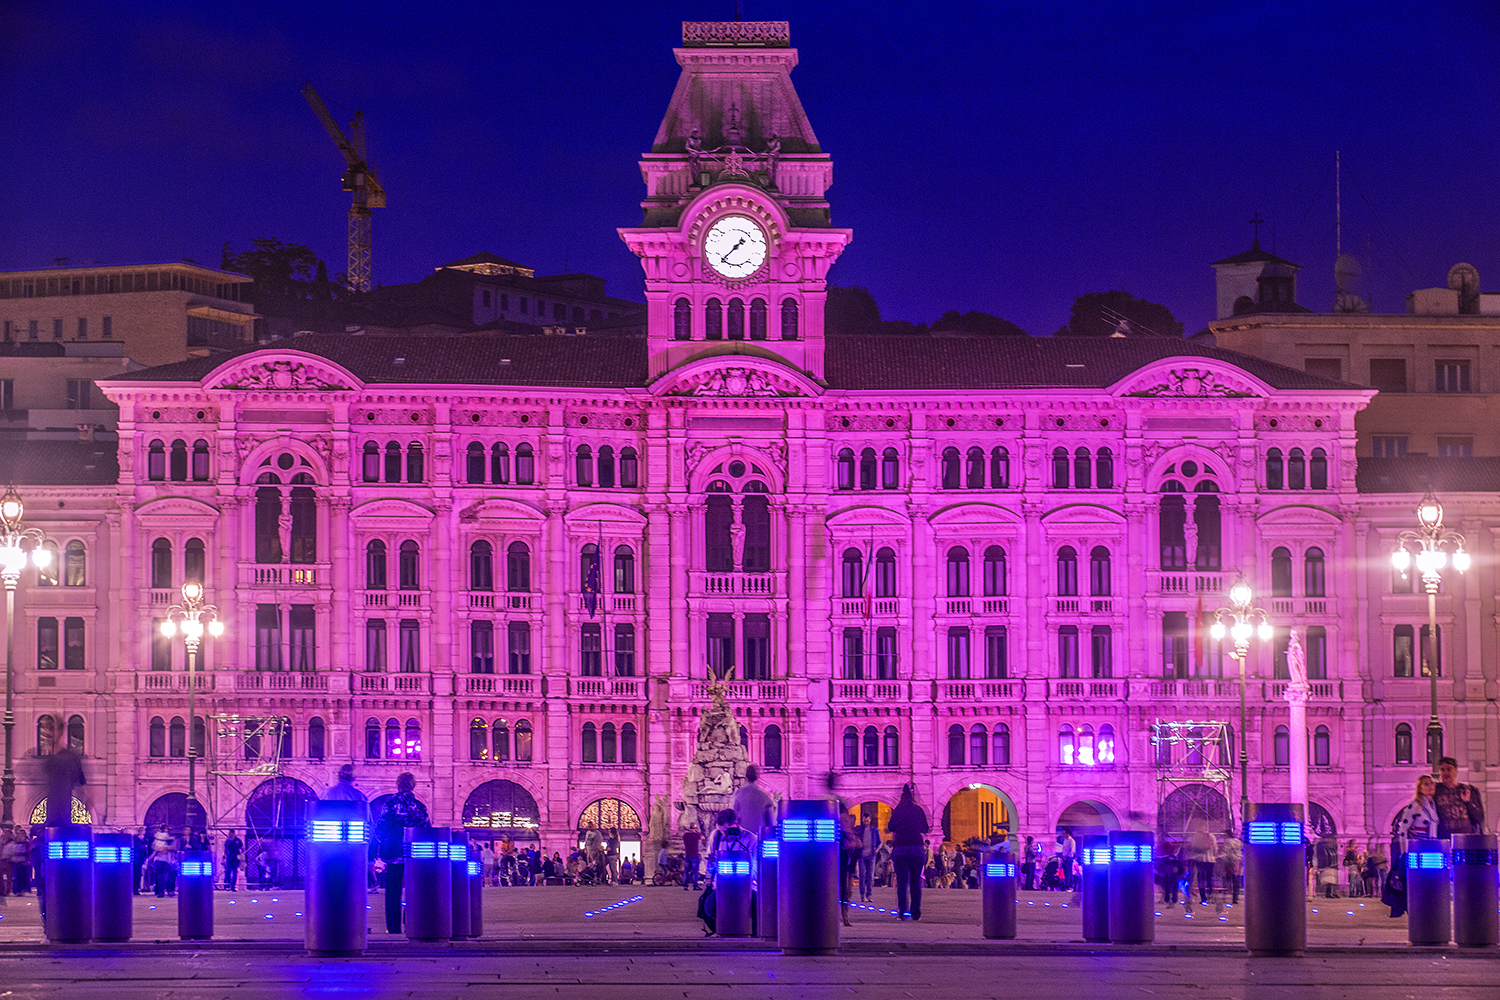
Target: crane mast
(359, 180)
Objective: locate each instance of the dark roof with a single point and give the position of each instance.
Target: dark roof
(483, 257)
(1254, 255)
(1415, 473)
(59, 463)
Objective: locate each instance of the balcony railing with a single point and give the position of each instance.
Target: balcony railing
(283, 575)
(162, 597)
(1317, 690)
(280, 680)
(957, 606)
(501, 685)
(392, 683)
(995, 605)
(1186, 690)
(481, 601)
(172, 680)
(607, 687)
(1065, 605)
(377, 599)
(745, 691)
(735, 584)
(869, 691)
(978, 690)
(518, 601)
(1092, 690)
(1173, 582)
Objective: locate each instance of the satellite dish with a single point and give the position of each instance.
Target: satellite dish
(1464, 279)
(1347, 274)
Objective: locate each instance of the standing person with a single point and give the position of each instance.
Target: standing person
(402, 812)
(1231, 853)
(1202, 852)
(140, 851)
(1029, 855)
(343, 790)
(908, 829)
(1352, 869)
(233, 848)
(692, 858)
(7, 863)
(869, 845)
(487, 864)
(753, 806)
(851, 847)
(24, 864)
(163, 862)
(1418, 820)
(593, 849)
(1460, 808)
(612, 853)
(1068, 848)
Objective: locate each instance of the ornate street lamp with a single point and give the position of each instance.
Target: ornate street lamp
(194, 617)
(1242, 614)
(1433, 549)
(13, 559)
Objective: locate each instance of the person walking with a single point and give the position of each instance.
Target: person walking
(1460, 809)
(233, 848)
(24, 864)
(402, 812)
(1202, 851)
(164, 862)
(612, 854)
(1029, 856)
(1352, 868)
(1417, 820)
(7, 863)
(908, 829)
(692, 857)
(1231, 856)
(869, 845)
(754, 808)
(593, 848)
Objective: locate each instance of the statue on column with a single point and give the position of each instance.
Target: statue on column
(1296, 661)
(284, 525)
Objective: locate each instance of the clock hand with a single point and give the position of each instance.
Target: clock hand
(731, 250)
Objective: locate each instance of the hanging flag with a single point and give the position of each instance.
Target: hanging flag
(864, 584)
(591, 585)
(1197, 627)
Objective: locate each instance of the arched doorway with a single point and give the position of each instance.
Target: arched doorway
(1088, 818)
(1320, 823)
(979, 812)
(879, 810)
(276, 816)
(502, 808)
(170, 810)
(80, 813)
(1188, 807)
(608, 814)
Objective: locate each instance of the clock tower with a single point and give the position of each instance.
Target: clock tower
(736, 241)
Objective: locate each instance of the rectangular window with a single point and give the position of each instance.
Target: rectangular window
(7, 394)
(73, 644)
(591, 657)
(57, 333)
(161, 647)
(1101, 651)
(375, 648)
(854, 654)
(624, 650)
(518, 647)
(1388, 374)
(1388, 446)
(504, 301)
(301, 622)
(720, 635)
(522, 303)
(886, 657)
(958, 653)
(1431, 661)
(486, 298)
(1067, 651)
(1451, 376)
(83, 328)
(1403, 645)
(1317, 653)
(1455, 447)
(33, 330)
(1324, 368)
(996, 652)
(1280, 642)
(267, 637)
(1174, 644)
(757, 643)
(79, 395)
(46, 644)
(109, 327)
(411, 646)
(482, 645)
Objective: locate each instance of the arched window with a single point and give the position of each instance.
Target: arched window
(1104, 752)
(158, 737)
(590, 749)
(75, 733)
(999, 468)
(789, 319)
(1099, 572)
(479, 740)
(1296, 470)
(1000, 739)
(372, 739)
(1274, 470)
(994, 572)
(682, 320)
(1059, 468)
(588, 556)
(1322, 755)
(608, 742)
(851, 747)
(585, 465)
(890, 470)
(1317, 470)
(317, 739)
(755, 515)
(624, 570)
(772, 743)
(974, 469)
(758, 319)
(161, 563)
(735, 320)
(713, 320)
(1281, 747)
(1403, 743)
(74, 564)
(525, 465)
(499, 463)
(156, 461)
(414, 469)
(867, 469)
(500, 741)
(286, 737)
(853, 576)
(958, 571)
(1085, 752)
(718, 524)
(304, 511)
(481, 566)
(979, 746)
(200, 461)
(627, 743)
(1317, 653)
(955, 746)
(1066, 748)
(872, 747)
(47, 576)
(474, 463)
(1067, 571)
(890, 748)
(179, 466)
(375, 565)
(369, 466)
(629, 469)
(606, 466)
(177, 737)
(1312, 574)
(194, 561)
(408, 577)
(1207, 518)
(1281, 572)
(1083, 469)
(392, 462)
(885, 573)
(393, 748)
(844, 475)
(1104, 469)
(413, 739)
(1172, 523)
(952, 469)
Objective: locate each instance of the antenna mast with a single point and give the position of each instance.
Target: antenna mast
(1338, 209)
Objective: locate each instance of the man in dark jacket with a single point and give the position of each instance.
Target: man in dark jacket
(907, 827)
(1459, 807)
(402, 812)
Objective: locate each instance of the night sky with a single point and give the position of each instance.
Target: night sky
(1000, 157)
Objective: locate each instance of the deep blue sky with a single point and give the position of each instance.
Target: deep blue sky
(995, 156)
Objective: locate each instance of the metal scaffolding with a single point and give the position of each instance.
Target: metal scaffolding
(1195, 771)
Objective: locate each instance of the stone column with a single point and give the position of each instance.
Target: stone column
(1296, 700)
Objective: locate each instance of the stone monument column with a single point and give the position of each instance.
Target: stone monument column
(1296, 699)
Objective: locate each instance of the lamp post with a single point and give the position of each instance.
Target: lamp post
(1242, 613)
(13, 559)
(1433, 545)
(194, 616)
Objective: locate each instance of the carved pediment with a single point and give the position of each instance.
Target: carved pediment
(1193, 381)
(281, 374)
(185, 510)
(736, 381)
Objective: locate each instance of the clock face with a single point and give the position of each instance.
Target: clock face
(735, 247)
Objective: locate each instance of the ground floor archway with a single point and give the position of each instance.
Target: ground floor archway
(1320, 824)
(170, 810)
(276, 818)
(501, 808)
(80, 812)
(1189, 807)
(978, 812)
(1088, 818)
(617, 815)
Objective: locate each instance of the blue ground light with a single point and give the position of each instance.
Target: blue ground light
(874, 909)
(614, 906)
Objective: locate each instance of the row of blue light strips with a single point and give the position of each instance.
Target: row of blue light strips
(105, 854)
(338, 831)
(770, 848)
(192, 868)
(72, 850)
(1426, 859)
(428, 849)
(1466, 856)
(804, 830)
(1267, 832)
(729, 866)
(1119, 853)
(999, 869)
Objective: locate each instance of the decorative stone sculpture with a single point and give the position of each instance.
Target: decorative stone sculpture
(718, 764)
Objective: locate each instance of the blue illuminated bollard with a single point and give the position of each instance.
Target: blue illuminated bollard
(765, 885)
(428, 885)
(337, 921)
(458, 858)
(195, 896)
(1476, 890)
(70, 883)
(1429, 893)
(114, 877)
(476, 898)
(997, 894)
(1132, 887)
(1093, 853)
(732, 894)
(1275, 879)
(807, 878)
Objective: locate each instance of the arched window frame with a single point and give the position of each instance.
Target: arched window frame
(1104, 469)
(1067, 571)
(682, 320)
(375, 565)
(844, 473)
(1060, 465)
(624, 570)
(629, 468)
(1281, 571)
(1275, 470)
(518, 568)
(868, 469)
(957, 742)
(1000, 739)
(851, 573)
(156, 461)
(1281, 747)
(583, 466)
(1317, 470)
(481, 566)
(974, 469)
(1101, 583)
(851, 747)
(202, 469)
(589, 749)
(999, 468)
(890, 469)
(958, 571)
(1083, 469)
(1322, 746)
(890, 747)
(1314, 575)
(1403, 743)
(979, 745)
(474, 464)
(789, 324)
(771, 747)
(952, 469)
(1296, 470)
(1066, 746)
(886, 584)
(606, 463)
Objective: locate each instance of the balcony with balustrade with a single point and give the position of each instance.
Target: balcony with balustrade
(1291, 607)
(407, 684)
(611, 688)
(980, 690)
(1087, 689)
(282, 575)
(706, 584)
(508, 686)
(744, 691)
(871, 691)
(879, 607)
(1190, 584)
(288, 681)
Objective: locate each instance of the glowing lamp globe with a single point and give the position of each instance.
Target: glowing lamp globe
(41, 557)
(1264, 632)
(215, 628)
(1431, 560)
(1216, 630)
(12, 558)
(192, 591)
(169, 628)
(1461, 561)
(1241, 633)
(11, 509)
(1430, 513)
(192, 629)
(1401, 559)
(1239, 594)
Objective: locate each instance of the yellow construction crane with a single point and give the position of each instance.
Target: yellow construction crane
(358, 179)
